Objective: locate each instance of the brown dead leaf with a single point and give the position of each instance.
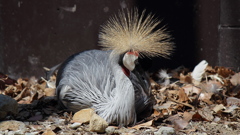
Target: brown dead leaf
(190, 89)
(166, 105)
(224, 72)
(155, 113)
(48, 132)
(187, 116)
(31, 81)
(24, 93)
(197, 117)
(185, 78)
(180, 124)
(206, 113)
(182, 95)
(25, 100)
(206, 97)
(218, 108)
(5, 81)
(233, 101)
(178, 121)
(234, 91)
(10, 90)
(209, 69)
(154, 85)
(143, 125)
(49, 91)
(22, 82)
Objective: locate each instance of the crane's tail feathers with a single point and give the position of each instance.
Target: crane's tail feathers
(133, 31)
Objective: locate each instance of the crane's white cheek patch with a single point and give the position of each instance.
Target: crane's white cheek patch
(129, 60)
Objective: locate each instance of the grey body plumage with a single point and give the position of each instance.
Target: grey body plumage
(112, 81)
(92, 79)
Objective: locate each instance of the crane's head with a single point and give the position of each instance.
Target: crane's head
(128, 61)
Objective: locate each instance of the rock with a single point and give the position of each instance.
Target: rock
(165, 131)
(12, 125)
(97, 124)
(110, 130)
(7, 106)
(32, 133)
(83, 116)
(75, 125)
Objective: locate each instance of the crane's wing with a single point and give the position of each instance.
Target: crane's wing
(143, 97)
(84, 80)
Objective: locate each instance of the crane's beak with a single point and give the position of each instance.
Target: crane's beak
(129, 59)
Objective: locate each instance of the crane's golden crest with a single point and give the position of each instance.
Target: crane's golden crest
(132, 31)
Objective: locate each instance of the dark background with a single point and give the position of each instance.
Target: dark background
(34, 34)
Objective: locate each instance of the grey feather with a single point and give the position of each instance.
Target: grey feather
(93, 79)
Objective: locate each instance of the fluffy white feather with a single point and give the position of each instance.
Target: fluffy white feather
(199, 70)
(164, 76)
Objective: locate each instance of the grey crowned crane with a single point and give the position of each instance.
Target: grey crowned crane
(111, 81)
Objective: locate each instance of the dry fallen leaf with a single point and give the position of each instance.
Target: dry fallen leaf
(48, 132)
(187, 116)
(185, 78)
(206, 113)
(5, 81)
(206, 97)
(218, 108)
(166, 105)
(143, 125)
(182, 95)
(49, 91)
(178, 121)
(224, 72)
(190, 89)
(233, 101)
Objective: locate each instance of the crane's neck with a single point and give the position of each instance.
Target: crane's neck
(122, 106)
(125, 71)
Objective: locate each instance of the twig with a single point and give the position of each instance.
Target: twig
(186, 104)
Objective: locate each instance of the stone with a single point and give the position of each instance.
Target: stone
(7, 106)
(165, 131)
(75, 125)
(12, 125)
(83, 116)
(97, 124)
(110, 130)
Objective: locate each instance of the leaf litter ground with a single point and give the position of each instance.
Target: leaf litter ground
(209, 105)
